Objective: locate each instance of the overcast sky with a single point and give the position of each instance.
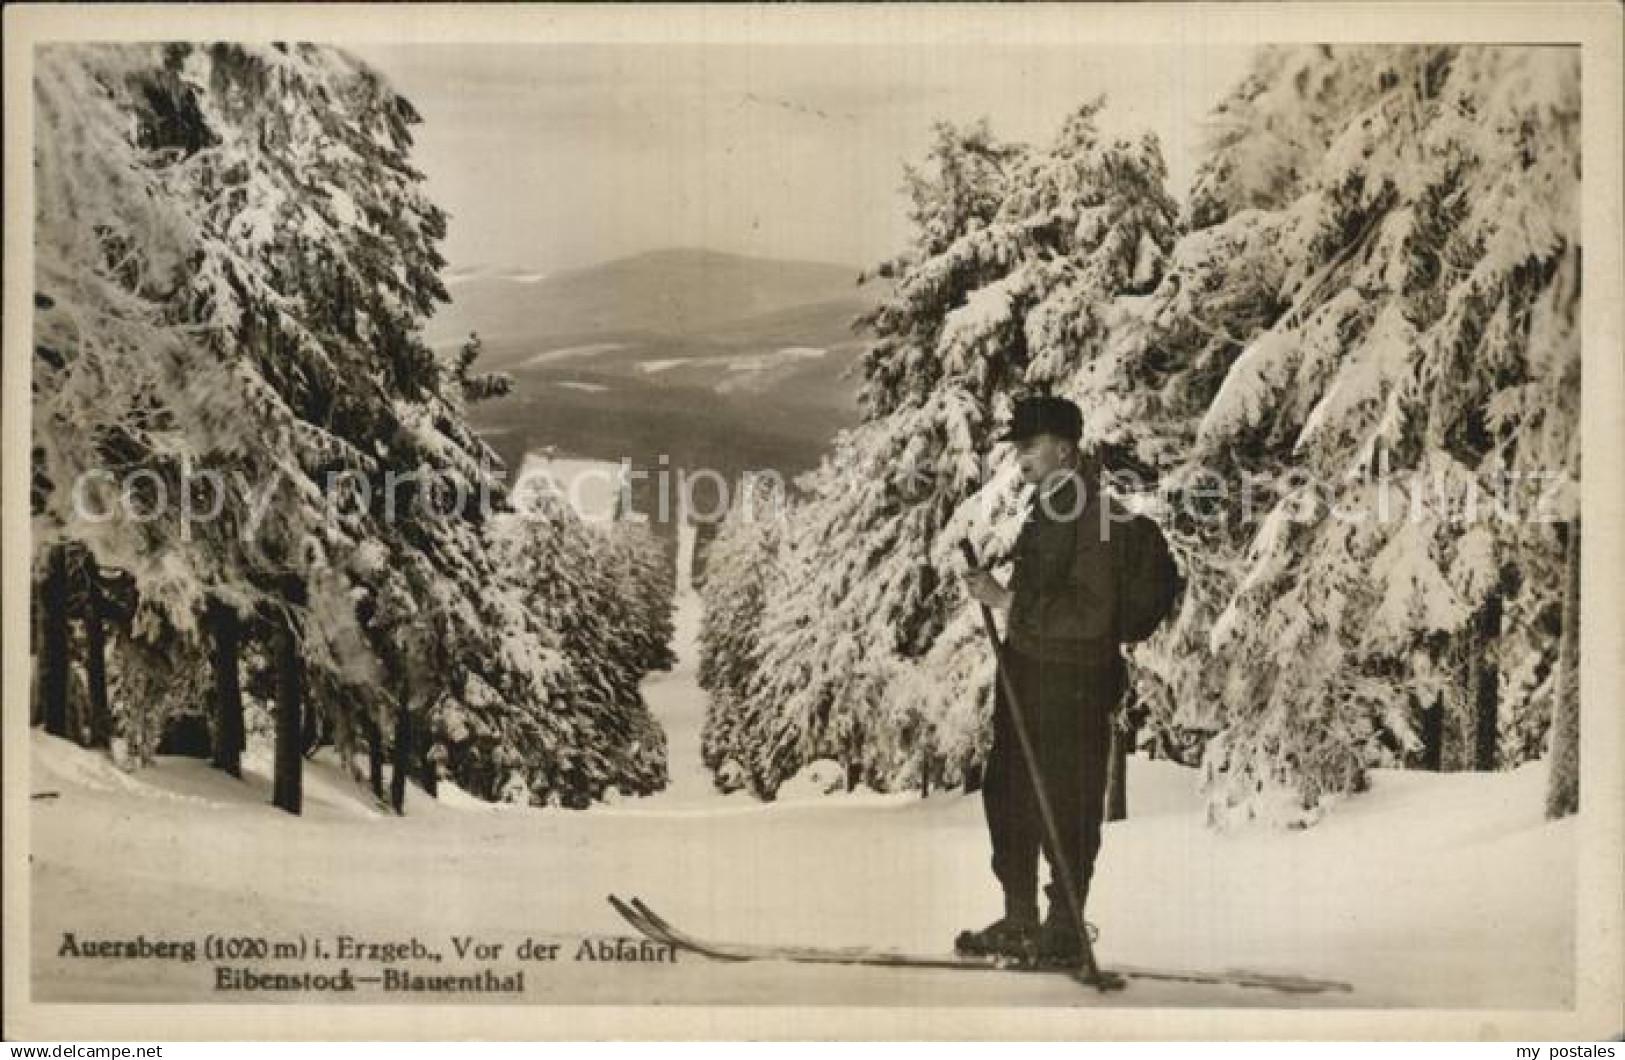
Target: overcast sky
(553, 156)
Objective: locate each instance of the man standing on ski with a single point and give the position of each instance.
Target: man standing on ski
(1061, 653)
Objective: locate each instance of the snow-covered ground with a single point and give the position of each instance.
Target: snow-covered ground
(591, 486)
(1431, 890)
(677, 701)
(570, 353)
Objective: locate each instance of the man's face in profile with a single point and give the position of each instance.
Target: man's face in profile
(1041, 456)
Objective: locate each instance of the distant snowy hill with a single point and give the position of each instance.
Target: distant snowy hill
(679, 292)
(709, 358)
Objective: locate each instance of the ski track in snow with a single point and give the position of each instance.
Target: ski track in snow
(1435, 890)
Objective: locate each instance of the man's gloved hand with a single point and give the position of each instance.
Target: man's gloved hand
(985, 589)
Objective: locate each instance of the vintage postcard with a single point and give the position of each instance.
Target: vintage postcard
(813, 521)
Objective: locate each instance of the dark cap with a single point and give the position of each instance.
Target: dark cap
(1044, 415)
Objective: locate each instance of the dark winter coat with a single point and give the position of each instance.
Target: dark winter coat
(1064, 584)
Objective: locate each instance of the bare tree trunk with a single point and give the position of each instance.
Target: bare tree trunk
(36, 649)
(375, 757)
(402, 763)
(428, 769)
(226, 633)
(288, 786)
(1433, 735)
(101, 714)
(54, 649)
(852, 758)
(1486, 686)
(1563, 780)
(312, 736)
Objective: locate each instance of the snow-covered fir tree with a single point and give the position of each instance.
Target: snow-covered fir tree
(1371, 308)
(578, 578)
(644, 575)
(234, 261)
(1017, 256)
(1374, 314)
(738, 564)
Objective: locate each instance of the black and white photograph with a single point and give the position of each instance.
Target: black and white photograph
(878, 513)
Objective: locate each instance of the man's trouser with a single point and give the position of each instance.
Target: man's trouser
(1067, 709)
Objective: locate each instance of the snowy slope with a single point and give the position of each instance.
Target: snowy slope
(1477, 912)
(1435, 890)
(678, 702)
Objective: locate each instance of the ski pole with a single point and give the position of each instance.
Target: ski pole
(1052, 833)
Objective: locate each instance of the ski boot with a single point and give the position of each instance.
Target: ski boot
(1010, 938)
(1058, 943)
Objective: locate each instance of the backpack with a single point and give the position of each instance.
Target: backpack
(1148, 580)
